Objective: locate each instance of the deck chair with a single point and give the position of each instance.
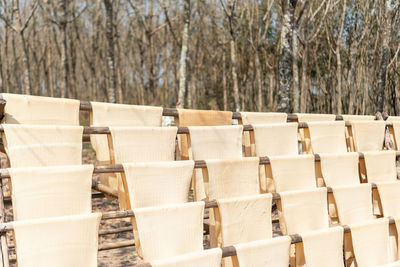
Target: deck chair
(27, 109)
(42, 192)
(289, 173)
(213, 142)
(278, 139)
(192, 117)
(170, 231)
(140, 144)
(242, 220)
(310, 117)
(367, 135)
(107, 114)
(347, 117)
(394, 131)
(42, 145)
(62, 241)
(325, 137)
(150, 184)
(252, 118)
(229, 178)
(305, 212)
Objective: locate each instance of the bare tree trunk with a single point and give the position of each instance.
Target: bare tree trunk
(339, 62)
(385, 56)
(295, 85)
(259, 82)
(286, 57)
(303, 94)
(234, 75)
(225, 93)
(64, 48)
(111, 88)
(183, 59)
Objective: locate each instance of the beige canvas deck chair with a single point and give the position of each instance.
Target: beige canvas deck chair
(252, 118)
(140, 144)
(366, 135)
(242, 220)
(192, 117)
(170, 231)
(311, 117)
(107, 114)
(26, 109)
(394, 131)
(287, 173)
(42, 192)
(213, 142)
(325, 137)
(42, 145)
(228, 178)
(62, 241)
(347, 117)
(157, 183)
(305, 212)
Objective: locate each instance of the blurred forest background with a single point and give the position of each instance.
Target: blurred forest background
(328, 56)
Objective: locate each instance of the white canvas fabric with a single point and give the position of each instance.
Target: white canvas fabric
(323, 247)
(233, 177)
(396, 133)
(158, 183)
(261, 253)
(380, 166)
(304, 211)
(216, 142)
(27, 109)
(42, 145)
(340, 169)
(263, 117)
(245, 219)
(61, 241)
(309, 117)
(358, 117)
(293, 172)
(368, 135)
(108, 114)
(168, 231)
(353, 203)
(209, 258)
(371, 242)
(195, 117)
(41, 192)
(389, 198)
(143, 144)
(327, 137)
(278, 139)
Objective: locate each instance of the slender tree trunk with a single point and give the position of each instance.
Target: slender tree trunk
(225, 93)
(259, 82)
(304, 70)
(64, 48)
(382, 87)
(111, 88)
(235, 75)
(183, 59)
(286, 57)
(295, 85)
(339, 62)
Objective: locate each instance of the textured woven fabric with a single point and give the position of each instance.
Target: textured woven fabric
(157, 183)
(303, 211)
(368, 135)
(107, 114)
(42, 145)
(206, 258)
(168, 231)
(389, 198)
(340, 169)
(323, 247)
(27, 109)
(261, 253)
(308, 117)
(370, 240)
(232, 177)
(396, 133)
(245, 219)
(194, 117)
(381, 166)
(61, 241)
(358, 117)
(41, 192)
(278, 139)
(263, 117)
(353, 203)
(293, 172)
(327, 137)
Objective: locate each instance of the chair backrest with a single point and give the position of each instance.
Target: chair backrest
(41, 192)
(42, 145)
(367, 135)
(27, 109)
(326, 137)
